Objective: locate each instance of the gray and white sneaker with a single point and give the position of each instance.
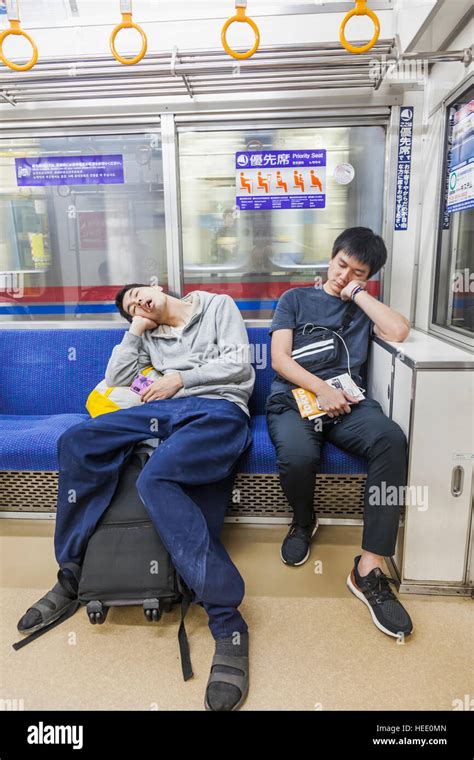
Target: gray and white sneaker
(387, 612)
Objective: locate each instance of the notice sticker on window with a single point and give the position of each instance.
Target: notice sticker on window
(69, 170)
(461, 176)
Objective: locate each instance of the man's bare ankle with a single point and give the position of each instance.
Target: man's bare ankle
(368, 562)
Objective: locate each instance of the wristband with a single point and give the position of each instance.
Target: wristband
(355, 291)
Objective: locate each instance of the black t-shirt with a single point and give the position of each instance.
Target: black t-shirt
(300, 306)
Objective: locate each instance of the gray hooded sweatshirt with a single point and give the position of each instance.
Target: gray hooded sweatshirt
(211, 352)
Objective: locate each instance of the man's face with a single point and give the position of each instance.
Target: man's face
(145, 302)
(343, 268)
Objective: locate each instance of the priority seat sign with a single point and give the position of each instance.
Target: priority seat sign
(280, 179)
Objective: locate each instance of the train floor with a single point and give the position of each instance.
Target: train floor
(313, 645)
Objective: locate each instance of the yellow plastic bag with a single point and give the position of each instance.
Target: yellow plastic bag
(105, 399)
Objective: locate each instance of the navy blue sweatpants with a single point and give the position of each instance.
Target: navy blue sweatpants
(185, 487)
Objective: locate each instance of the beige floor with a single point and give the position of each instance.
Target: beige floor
(313, 645)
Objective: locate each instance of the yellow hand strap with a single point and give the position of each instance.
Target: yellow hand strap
(14, 19)
(127, 23)
(359, 10)
(240, 6)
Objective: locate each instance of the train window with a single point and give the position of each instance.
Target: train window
(255, 255)
(79, 216)
(454, 281)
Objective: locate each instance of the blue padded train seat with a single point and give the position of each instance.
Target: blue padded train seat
(29, 442)
(46, 376)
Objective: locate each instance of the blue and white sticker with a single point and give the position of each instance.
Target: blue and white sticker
(461, 168)
(280, 179)
(69, 170)
(405, 146)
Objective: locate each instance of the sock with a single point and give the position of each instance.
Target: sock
(224, 696)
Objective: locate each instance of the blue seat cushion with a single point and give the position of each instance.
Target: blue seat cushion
(260, 458)
(30, 442)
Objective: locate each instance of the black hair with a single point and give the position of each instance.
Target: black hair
(120, 296)
(364, 245)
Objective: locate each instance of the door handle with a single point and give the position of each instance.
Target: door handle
(457, 480)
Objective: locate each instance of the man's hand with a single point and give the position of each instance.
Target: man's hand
(334, 401)
(164, 387)
(141, 324)
(346, 292)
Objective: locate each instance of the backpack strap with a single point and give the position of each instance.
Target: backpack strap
(186, 598)
(348, 316)
(47, 628)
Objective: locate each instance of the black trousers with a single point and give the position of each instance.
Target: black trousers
(366, 431)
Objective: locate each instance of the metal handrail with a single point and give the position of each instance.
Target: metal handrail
(303, 67)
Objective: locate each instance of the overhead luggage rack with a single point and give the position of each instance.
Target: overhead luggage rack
(195, 73)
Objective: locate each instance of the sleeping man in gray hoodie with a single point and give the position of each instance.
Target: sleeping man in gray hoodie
(197, 410)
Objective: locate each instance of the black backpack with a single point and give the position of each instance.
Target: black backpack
(126, 563)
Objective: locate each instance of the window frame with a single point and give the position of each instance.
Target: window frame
(89, 127)
(457, 337)
(169, 125)
(374, 117)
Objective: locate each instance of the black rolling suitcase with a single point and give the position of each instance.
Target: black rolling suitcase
(126, 562)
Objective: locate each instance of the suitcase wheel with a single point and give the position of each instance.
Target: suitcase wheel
(152, 615)
(151, 608)
(96, 612)
(167, 605)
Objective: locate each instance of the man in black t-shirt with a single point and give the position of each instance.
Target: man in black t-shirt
(305, 353)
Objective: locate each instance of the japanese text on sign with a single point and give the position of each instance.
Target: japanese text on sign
(281, 179)
(402, 193)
